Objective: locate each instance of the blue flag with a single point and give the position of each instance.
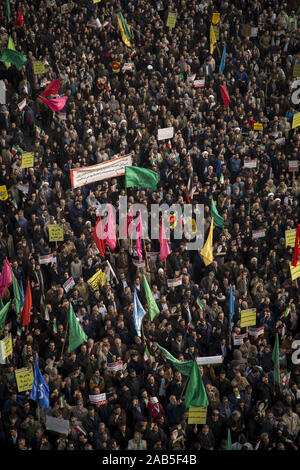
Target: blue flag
(21, 291)
(223, 59)
(231, 306)
(138, 313)
(40, 389)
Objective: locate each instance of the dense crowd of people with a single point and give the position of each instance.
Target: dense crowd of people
(115, 110)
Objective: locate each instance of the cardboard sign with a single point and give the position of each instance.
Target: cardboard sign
(57, 424)
(6, 347)
(24, 379)
(22, 104)
(174, 282)
(197, 415)
(139, 263)
(69, 284)
(165, 133)
(153, 255)
(248, 317)
(296, 121)
(258, 126)
(99, 399)
(3, 193)
(56, 233)
(98, 278)
(250, 164)
(27, 160)
(256, 331)
(296, 71)
(199, 83)
(115, 366)
(239, 339)
(295, 271)
(293, 165)
(215, 18)
(171, 20)
(261, 233)
(202, 361)
(290, 237)
(38, 67)
(46, 259)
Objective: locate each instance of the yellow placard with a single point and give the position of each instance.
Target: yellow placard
(96, 1)
(3, 193)
(6, 347)
(258, 126)
(296, 121)
(296, 71)
(98, 278)
(295, 271)
(38, 67)
(248, 317)
(290, 237)
(56, 233)
(24, 379)
(27, 160)
(197, 415)
(215, 18)
(171, 21)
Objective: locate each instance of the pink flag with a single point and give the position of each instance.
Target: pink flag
(139, 234)
(164, 247)
(5, 277)
(126, 229)
(225, 96)
(52, 88)
(57, 104)
(110, 229)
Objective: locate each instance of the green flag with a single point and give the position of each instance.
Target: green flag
(8, 10)
(18, 303)
(140, 177)
(185, 367)
(76, 334)
(195, 394)
(3, 313)
(11, 46)
(229, 445)
(218, 220)
(152, 305)
(275, 358)
(13, 57)
(1, 304)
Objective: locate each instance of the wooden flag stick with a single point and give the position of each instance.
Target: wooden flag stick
(62, 351)
(184, 387)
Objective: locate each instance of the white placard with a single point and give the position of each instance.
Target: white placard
(115, 366)
(165, 133)
(174, 282)
(139, 263)
(199, 83)
(22, 104)
(256, 331)
(56, 424)
(99, 399)
(2, 92)
(91, 174)
(209, 360)
(258, 233)
(69, 284)
(46, 259)
(250, 164)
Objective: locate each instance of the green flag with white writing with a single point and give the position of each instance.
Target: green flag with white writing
(152, 305)
(76, 334)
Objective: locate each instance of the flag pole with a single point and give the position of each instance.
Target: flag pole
(146, 254)
(62, 351)
(184, 387)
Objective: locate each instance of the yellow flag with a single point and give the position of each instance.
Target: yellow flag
(207, 250)
(212, 39)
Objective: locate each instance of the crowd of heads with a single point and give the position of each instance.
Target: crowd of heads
(113, 109)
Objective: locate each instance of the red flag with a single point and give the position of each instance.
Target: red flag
(52, 88)
(99, 237)
(225, 95)
(19, 22)
(25, 313)
(297, 247)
